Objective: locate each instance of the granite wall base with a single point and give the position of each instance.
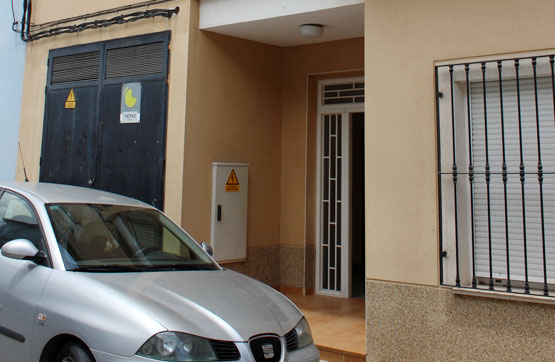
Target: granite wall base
(418, 323)
(282, 267)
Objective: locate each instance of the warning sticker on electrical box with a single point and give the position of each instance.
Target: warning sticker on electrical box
(232, 184)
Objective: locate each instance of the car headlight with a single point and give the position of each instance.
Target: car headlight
(304, 336)
(179, 347)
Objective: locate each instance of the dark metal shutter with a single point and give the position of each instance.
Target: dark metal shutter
(75, 67)
(135, 60)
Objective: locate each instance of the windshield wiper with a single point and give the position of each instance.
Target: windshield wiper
(106, 268)
(175, 267)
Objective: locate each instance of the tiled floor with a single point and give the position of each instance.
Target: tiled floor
(337, 326)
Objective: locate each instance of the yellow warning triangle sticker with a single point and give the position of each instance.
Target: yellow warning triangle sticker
(232, 179)
(232, 184)
(70, 101)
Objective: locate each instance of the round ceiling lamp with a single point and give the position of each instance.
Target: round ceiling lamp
(311, 30)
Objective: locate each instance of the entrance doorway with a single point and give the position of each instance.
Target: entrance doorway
(340, 189)
(357, 205)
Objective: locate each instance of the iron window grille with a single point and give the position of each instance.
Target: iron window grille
(343, 93)
(496, 179)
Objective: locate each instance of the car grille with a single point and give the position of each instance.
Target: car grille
(266, 348)
(226, 351)
(292, 340)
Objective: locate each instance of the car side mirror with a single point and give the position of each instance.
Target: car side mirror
(206, 247)
(22, 249)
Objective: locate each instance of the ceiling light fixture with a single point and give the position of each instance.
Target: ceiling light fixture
(311, 30)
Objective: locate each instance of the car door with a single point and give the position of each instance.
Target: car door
(21, 281)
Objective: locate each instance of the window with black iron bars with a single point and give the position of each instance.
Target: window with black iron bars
(496, 162)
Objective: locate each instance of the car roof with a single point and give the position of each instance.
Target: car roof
(57, 193)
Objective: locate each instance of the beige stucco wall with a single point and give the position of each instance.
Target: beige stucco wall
(32, 113)
(46, 11)
(403, 39)
(233, 115)
(247, 102)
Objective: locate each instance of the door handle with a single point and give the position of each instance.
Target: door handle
(219, 217)
(91, 181)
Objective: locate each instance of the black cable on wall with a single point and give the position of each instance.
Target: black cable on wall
(50, 29)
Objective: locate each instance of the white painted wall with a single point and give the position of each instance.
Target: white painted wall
(222, 12)
(12, 58)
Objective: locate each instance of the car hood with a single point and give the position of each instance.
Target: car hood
(218, 304)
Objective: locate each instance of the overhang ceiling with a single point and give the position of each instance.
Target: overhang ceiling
(343, 22)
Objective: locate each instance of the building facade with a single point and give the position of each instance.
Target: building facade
(366, 147)
(12, 63)
(415, 311)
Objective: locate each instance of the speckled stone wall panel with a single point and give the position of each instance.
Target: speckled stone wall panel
(261, 264)
(291, 266)
(310, 267)
(417, 323)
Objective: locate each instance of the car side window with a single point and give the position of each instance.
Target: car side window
(18, 221)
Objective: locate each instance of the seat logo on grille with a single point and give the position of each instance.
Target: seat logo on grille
(268, 351)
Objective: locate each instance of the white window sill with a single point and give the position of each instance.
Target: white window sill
(530, 298)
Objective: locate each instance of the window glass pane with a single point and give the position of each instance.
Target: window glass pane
(338, 100)
(338, 222)
(351, 93)
(326, 135)
(332, 87)
(325, 224)
(325, 267)
(333, 158)
(18, 221)
(332, 201)
(99, 235)
(332, 245)
(338, 269)
(339, 150)
(339, 173)
(326, 178)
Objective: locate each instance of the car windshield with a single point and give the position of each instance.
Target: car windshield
(113, 238)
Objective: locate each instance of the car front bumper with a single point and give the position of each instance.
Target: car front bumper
(306, 354)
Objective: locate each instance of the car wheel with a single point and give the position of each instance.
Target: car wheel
(73, 352)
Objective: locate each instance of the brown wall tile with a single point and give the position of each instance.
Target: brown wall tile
(261, 264)
(310, 266)
(291, 266)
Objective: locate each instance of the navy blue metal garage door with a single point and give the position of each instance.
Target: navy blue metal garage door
(85, 141)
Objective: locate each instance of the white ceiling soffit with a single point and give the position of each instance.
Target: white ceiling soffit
(257, 24)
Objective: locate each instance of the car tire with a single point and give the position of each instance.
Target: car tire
(73, 352)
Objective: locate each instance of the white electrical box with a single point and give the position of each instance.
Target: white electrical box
(228, 229)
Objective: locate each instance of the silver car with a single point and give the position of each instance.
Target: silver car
(87, 275)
